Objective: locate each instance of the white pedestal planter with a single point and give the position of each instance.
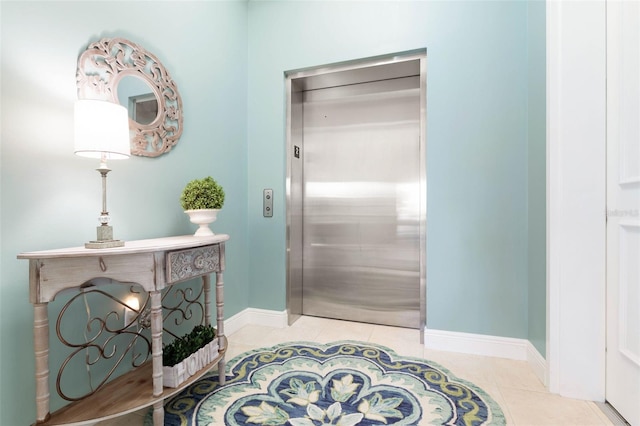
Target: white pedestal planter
(202, 218)
(174, 376)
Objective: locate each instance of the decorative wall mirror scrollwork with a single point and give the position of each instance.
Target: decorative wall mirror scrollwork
(121, 71)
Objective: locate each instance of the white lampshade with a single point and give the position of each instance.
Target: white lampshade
(101, 127)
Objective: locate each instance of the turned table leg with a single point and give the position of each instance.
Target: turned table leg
(156, 349)
(41, 351)
(158, 413)
(206, 284)
(220, 321)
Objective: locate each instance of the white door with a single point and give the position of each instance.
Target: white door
(623, 208)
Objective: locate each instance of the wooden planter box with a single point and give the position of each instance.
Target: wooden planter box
(174, 376)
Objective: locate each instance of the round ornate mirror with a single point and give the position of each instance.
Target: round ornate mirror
(121, 71)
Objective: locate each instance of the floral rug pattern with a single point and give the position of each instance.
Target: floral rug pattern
(340, 384)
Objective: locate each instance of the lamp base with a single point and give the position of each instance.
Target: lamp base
(105, 239)
(104, 244)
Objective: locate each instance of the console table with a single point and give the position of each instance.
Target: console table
(154, 265)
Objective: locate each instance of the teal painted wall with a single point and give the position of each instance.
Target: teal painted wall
(536, 190)
(50, 198)
(476, 143)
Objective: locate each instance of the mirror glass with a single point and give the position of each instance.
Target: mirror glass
(137, 96)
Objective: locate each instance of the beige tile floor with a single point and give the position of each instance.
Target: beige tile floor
(513, 385)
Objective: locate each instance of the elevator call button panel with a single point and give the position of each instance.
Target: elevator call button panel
(267, 203)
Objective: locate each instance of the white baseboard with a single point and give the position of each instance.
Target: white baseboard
(255, 316)
(495, 346)
(537, 363)
(474, 344)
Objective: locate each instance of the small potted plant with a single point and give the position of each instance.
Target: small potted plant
(187, 355)
(202, 199)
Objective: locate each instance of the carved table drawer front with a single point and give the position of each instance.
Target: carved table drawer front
(191, 263)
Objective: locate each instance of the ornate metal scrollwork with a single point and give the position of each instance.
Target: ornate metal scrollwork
(102, 67)
(105, 338)
(180, 305)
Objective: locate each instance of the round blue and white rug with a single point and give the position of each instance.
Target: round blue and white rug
(342, 384)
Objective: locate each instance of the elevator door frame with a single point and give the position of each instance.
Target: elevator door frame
(296, 82)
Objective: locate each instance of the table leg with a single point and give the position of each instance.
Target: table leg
(220, 321)
(206, 283)
(41, 351)
(156, 350)
(158, 413)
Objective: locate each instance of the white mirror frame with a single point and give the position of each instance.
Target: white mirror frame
(105, 63)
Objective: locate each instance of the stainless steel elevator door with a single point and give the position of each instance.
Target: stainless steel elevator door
(361, 202)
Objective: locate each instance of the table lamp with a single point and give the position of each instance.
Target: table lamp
(102, 131)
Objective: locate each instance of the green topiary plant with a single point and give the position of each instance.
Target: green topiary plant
(182, 347)
(202, 194)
